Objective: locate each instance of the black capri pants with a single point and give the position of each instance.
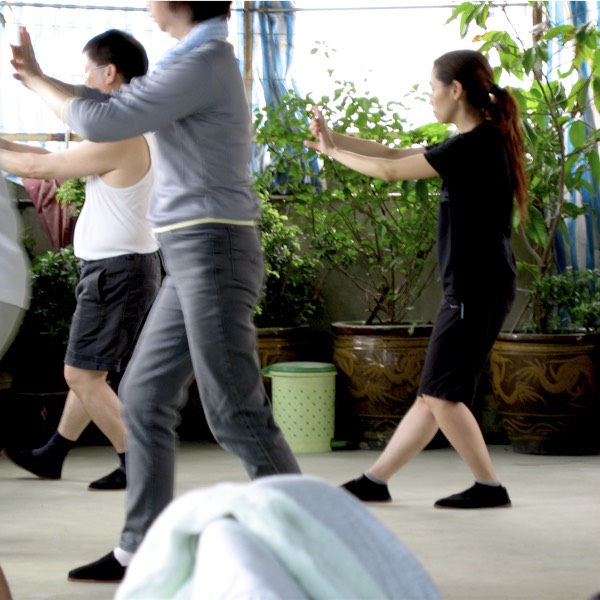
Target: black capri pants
(462, 337)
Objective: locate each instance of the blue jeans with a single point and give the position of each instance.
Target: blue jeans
(200, 325)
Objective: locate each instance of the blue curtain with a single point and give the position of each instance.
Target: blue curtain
(272, 51)
(272, 48)
(276, 31)
(582, 250)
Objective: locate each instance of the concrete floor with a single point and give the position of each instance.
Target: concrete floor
(547, 547)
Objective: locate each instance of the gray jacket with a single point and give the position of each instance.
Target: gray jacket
(198, 109)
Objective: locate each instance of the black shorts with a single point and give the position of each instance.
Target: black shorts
(462, 337)
(113, 297)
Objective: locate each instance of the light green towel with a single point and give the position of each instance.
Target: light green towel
(313, 554)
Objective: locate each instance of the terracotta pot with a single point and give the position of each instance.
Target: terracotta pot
(546, 388)
(379, 367)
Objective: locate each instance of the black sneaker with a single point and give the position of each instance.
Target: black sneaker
(117, 480)
(105, 570)
(478, 496)
(41, 465)
(368, 491)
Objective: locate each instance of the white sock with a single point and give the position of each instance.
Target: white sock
(123, 557)
(374, 479)
(493, 483)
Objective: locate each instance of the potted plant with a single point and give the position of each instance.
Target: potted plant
(545, 367)
(546, 383)
(378, 235)
(292, 293)
(294, 278)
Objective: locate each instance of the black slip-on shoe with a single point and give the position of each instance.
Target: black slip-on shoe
(478, 496)
(368, 491)
(117, 480)
(41, 466)
(105, 570)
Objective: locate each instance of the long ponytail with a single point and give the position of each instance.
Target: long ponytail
(503, 112)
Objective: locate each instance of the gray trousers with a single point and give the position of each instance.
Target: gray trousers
(201, 325)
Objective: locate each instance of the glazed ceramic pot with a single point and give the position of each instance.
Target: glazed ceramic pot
(546, 389)
(379, 367)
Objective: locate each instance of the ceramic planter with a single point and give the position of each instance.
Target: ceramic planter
(546, 389)
(379, 367)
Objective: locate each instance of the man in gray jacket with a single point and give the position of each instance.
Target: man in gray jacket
(204, 214)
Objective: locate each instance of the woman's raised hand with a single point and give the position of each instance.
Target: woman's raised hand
(319, 129)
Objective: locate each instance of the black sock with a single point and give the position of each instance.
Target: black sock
(122, 461)
(56, 448)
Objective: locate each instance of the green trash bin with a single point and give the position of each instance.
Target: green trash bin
(303, 396)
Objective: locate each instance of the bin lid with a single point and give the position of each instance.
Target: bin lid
(299, 367)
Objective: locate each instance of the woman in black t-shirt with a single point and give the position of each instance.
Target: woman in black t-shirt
(482, 170)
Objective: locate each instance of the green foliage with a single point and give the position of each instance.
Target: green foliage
(54, 277)
(569, 301)
(35, 357)
(561, 145)
(72, 192)
(378, 234)
(292, 290)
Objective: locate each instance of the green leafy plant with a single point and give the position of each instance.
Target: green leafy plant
(293, 278)
(570, 300)
(561, 142)
(54, 277)
(72, 192)
(35, 357)
(379, 235)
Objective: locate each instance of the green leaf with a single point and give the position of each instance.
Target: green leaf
(582, 88)
(596, 63)
(567, 31)
(594, 164)
(596, 88)
(573, 210)
(536, 227)
(482, 15)
(577, 133)
(528, 60)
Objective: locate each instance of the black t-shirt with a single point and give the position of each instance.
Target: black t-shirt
(475, 215)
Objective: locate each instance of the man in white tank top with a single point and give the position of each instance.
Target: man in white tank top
(119, 264)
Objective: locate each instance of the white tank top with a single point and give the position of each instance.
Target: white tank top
(113, 221)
